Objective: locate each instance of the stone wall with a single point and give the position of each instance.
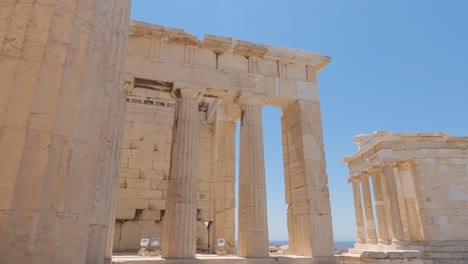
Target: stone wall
(443, 196)
(144, 170)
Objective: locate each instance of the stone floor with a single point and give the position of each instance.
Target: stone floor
(133, 258)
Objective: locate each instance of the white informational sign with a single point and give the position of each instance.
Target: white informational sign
(155, 242)
(221, 242)
(144, 242)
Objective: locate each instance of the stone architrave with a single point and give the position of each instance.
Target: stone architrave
(61, 120)
(225, 204)
(379, 203)
(309, 214)
(253, 225)
(181, 214)
(360, 227)
(370, 221)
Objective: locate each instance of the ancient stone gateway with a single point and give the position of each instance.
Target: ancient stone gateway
(419, 197)
(178, 161)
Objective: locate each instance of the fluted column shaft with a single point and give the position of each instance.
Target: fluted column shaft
(370, 222)
(61, 120)
(181, 214)
(384, 237)
(360, 227)
(394, 207)
(253, 225)
(225, 203)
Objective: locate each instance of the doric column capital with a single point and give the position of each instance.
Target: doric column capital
(187, 93)
(390, 163)
(377, 171)
(250, 99)
(187, 90)
(353, 179)
(365, 174)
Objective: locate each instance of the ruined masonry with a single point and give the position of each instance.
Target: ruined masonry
(184, 96)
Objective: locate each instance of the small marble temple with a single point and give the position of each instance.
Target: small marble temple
(411, 198)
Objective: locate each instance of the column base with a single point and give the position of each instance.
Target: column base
(384, 242)
(376, 257)
(360, 242)
(371, 241)
(398, 244)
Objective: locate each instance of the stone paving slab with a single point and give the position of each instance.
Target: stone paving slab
(130, 258)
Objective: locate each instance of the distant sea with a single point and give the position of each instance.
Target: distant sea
(340, 246)
(337, 243)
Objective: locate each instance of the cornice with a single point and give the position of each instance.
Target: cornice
(221, 45)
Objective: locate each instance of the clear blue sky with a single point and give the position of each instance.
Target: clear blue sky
(397, 65)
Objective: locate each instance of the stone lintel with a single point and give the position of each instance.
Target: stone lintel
(187, 90)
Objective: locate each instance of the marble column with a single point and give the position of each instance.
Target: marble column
(253, 225)
(393, 206)
(370, 222)
(360, 227)
(225, 203)
(384, 237)
(181, 213)
(61, 121)
(306, 184)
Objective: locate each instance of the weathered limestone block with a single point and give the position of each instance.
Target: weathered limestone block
(232, 61)
(150, 214)
(125, 213)
(129, 233)
(61, 123)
